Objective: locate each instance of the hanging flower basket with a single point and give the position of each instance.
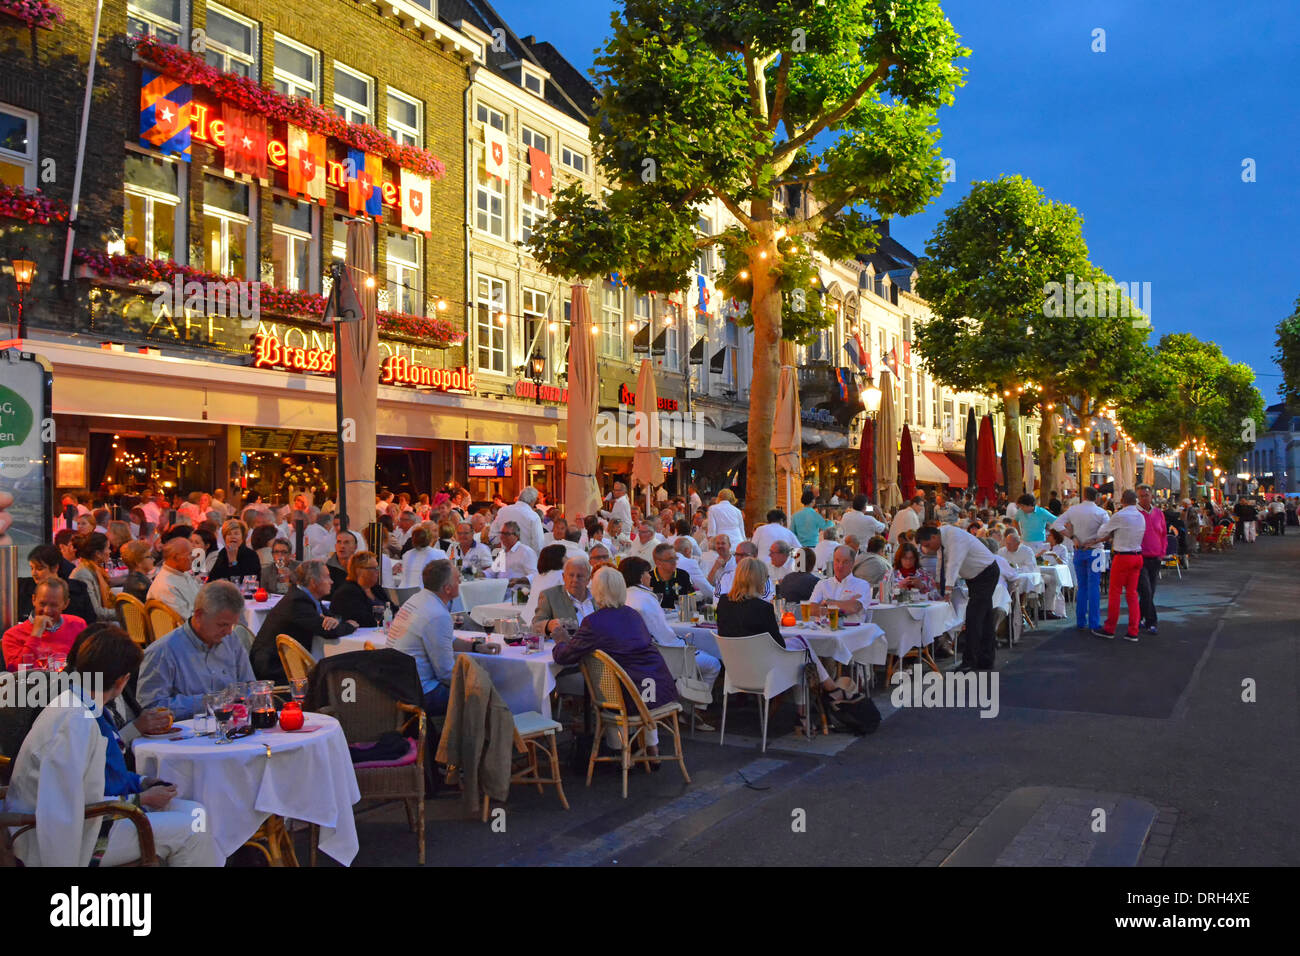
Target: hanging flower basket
(31, 207)
(37, 14)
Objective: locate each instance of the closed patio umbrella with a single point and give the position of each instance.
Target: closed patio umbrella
(972, 450)
(886, 448)
(906, 465)
(647, 465)
(1149, 472)
(357, 349)
(787, 437)
(581, 492)
(988, 463)
(867, 460)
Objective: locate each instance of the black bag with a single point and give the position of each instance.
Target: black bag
(858, 716)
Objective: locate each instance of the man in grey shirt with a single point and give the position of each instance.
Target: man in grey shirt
(201, 656)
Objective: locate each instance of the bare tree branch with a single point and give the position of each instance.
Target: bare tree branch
(782, 87)
(734, 208)
(808, 132)
(827, 212)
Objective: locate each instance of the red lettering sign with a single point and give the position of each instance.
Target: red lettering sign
(628, 397)
(270, 352)
(549, 393)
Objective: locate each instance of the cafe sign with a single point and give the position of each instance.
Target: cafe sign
(550, 393)
(313, 355)
(628, 397)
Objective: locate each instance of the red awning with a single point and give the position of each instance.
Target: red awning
(956, 475)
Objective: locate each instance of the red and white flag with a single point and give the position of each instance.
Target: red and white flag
(246, 136)
(540, 172)
(496, 153)
(306, 164)
(415, 202)
(892, 361)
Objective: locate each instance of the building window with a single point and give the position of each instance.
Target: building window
(354, 95)
(292, 243)
(732, 339)
(920, 399)
(611, 320)
(672, 337)
(490, 324)
(573, 159)
(155, 18)
(536, 311)
(405, 285)
(152, 210)
(229, 242)
(339, 239)
(489, 204)
(704, 257)
(532, 82)
(405, 118)
(297, 69)
(532, 210)
(535, 139)
(907, 397)
(884, 347)
(490, 117)
(231, 42)
(934, 405)
(17, 147)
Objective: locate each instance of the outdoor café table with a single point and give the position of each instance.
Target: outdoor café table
(483, 613)
(481, 591)
(1056, 577)
(306, 775)
(910, 627)
(524, 680)
(839, 645)
(255, 612)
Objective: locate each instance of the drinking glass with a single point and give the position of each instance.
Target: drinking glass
(298, 688)
(224, 712)
(56, 662)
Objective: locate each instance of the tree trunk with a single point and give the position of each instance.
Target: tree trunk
(1051, 465)
(1012, 448)
(760, 486)
(1185, 471)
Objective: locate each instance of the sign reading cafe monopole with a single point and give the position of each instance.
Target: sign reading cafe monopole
(271, 350)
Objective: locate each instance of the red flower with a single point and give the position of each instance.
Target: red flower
(34, 13)
(33, 207)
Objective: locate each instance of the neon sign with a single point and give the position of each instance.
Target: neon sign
(628, 397)
(269, 351)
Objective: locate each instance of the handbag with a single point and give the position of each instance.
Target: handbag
(690, 685)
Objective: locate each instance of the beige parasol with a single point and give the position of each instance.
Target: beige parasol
(647, 466)
(787, 438)
(581, 492)
(887, 447)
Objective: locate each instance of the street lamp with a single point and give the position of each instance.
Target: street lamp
(871, 396)
(24, 273)
(539, 375)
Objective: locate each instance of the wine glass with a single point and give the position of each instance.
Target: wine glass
(298, 688)
(224, 712)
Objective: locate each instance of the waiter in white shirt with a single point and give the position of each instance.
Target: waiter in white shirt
(1082, 521)
(620, 507)
(858, 523)
(1129, 526)
(725, 518)
(525, 516)
(907, 519)
(775, 530)
(842, 590)
(965, 556)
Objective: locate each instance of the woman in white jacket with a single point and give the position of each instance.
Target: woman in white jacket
(726, 518)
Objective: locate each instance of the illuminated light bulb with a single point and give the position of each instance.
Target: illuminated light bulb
(442, 305)
(553, 327)
(668, 320)
(501, 318)
(370, 282)
(763, 254)
(742, 274)
(595, 330)
(631, 326)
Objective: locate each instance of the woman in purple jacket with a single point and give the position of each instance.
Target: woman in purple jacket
(619, 631)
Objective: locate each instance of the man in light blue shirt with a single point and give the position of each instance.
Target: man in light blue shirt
(1033, 520)
(807, 523)
(423, 629)
(200, 657)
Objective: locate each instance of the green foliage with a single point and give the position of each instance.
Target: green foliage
(1288, 356)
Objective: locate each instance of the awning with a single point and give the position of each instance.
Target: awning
(715, 439)
(931, 461)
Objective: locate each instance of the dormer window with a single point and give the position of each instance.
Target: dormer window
(533, 83)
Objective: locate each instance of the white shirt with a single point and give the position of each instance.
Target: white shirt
(647, 605)
(906, 520)
(964, 555)
(176, 589)
(765, 535)
(775, 573)
(519, 562)
(317, 543)
(851, 588)
(638, 550)
(726, 518)
(621, 509)
(1130, 527)
(691, 543)
(1022, 557)
(710, 558)
(413, 563)
(530, 525)
(1086, 518)
(696, 573)
(479, 557)
(152, 513)
(861, 525)
(536, 585)
(825, 550)
(696, 503)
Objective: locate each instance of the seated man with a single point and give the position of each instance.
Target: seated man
(668, 580)
(871, 565)
(345, 545)
(717, 560)
(62, 768)
(201, 656)
(745, 549)
(645, 543)
(599, 557)
(568, 604)
(45, 561)
(423, 629)
(1019, 556)
(780, 561)
(468, 553)
(689, 564)
(47, 631)
(799, 585)
(173, 584)
(300, 615)
(842, 590)
(516, 560)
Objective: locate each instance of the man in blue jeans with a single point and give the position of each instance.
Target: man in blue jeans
(1082, 522)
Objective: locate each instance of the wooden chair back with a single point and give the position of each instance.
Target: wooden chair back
(294, 658)
(606, 681)
(134, 619)
(162, 619)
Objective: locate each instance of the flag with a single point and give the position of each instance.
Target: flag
(907, 353)
(854, 347)
(415, 202)
(496, 155)
(892, 361)
(246, 136)
(165, 114)
(702, 307)
(539, 175)
(365, 178)
(306, 163)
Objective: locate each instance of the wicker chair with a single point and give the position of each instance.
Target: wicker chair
(107, 809)
(135, 619)
(369, 713)
(531, 728)
(606, 681)
(162, 619)
(294, 658)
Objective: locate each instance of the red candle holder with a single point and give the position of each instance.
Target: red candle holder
(291, 716)
(260, 595)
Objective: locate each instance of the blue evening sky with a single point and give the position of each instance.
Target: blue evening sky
(1146, 140)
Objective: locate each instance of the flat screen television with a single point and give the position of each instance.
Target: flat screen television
(668, 461)
(489, 461)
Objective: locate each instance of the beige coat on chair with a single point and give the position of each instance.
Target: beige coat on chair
(478, 735)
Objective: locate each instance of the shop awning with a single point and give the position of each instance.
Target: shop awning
(827, 439)
(932, 462)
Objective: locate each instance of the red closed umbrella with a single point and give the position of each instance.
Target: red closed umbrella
(987, 478)
(906, 466)
(867, 460)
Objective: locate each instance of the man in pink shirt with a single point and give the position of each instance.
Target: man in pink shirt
(1155, 543)
(47, 631)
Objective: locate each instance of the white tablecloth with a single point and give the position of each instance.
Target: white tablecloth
(356, 641)
(911, 626)
(482, 591)
(306, 776)
(840, 645)
(255, 612)
(491, 612)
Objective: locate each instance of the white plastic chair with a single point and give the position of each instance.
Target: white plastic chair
(681, 662)
(759, 665)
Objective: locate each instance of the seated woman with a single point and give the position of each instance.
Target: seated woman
(236, 560)
(908, 573)
(45, 561)
(277, 577)
(92, 559)
(260, 542)
(619, 631)
(360, 598)
(204, 539)
(743, 612)
(138, 559)
(1057, 550)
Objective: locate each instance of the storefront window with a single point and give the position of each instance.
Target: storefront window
(152, 206)
(490, 324)
(291, 243)
(611, 321)
(228, 239)
(405, 286)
